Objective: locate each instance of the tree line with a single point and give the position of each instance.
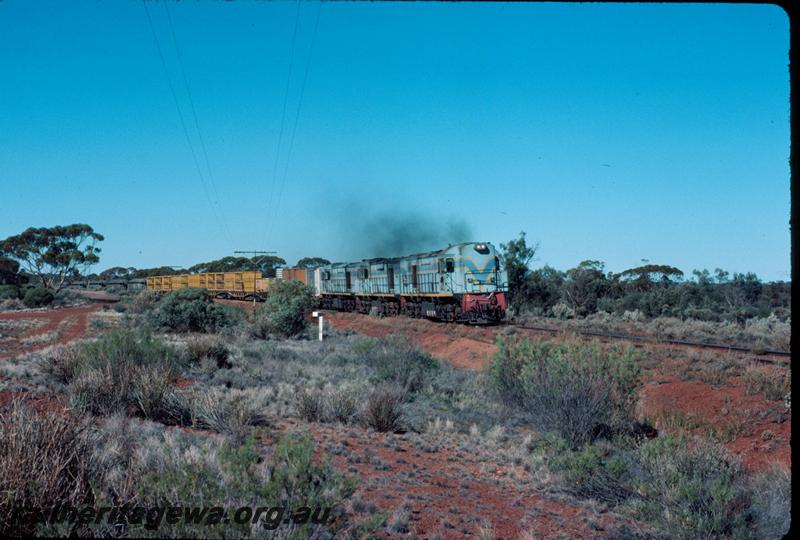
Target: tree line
(652, 289)
(53, 256)
(266, 265)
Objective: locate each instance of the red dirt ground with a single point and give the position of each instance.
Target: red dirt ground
(451, 493)
(462, 346)
(42, 402)
(66, 323)
(763, 427)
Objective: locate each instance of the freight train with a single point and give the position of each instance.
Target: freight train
(461, 283)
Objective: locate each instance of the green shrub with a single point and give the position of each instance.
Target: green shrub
(10, 292)
(592, 472)
(231, 413)
(309, 403)
(282, 312)
(691, 493)
(124, 371)
(773, 382)
(571, 388)
(210, 348)
(397, 361)
(771, 503)
(191, 310)
(292, 479)
(341, 405)
(44, 461)
(69, 298)
(125, 347)
(38, 297)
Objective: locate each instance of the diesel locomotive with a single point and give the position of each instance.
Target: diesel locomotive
(461, 283)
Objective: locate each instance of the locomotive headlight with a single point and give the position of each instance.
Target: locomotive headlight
(482, 248)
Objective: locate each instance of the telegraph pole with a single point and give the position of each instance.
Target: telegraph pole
(254, 253)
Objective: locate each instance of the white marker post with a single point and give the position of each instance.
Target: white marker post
(318, 315)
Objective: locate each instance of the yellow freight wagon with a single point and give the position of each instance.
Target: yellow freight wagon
(263, 284)
(238, 285)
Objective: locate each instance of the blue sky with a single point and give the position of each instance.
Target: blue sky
(612, 132)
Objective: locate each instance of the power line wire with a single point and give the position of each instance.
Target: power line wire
(270, 201)
(180, 115)
(196, 122)
(297, 114)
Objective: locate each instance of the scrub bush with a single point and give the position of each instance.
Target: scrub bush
(38, 297)
(697, 492)
(396, 360)
(282, 312)
(10, 292)
(233, 476)
(123, 371)
(191, 310)
(383, 409)
(571, 388)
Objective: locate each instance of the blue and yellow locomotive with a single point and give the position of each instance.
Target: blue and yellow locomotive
(462, 283)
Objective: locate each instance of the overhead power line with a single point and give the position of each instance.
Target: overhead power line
(270, 201)
(296, 118)
(196, 122)
(183, 123)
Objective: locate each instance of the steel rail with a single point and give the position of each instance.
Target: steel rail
(647, 339)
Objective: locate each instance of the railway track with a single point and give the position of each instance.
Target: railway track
(763, 356)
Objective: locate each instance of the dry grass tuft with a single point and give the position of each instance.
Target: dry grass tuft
(44, 460)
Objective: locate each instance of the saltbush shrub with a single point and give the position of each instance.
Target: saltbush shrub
(685, 489)
(143, 302)
(210, 348)
(341, 405)
(282, 312)
(571, 388)
(62, 363)
(591, 472)
(123, 371)
(191, 310)
(231, 413)
(310, 403)
(773, 381)
(396, 360)
(11, 304)
(234, 477)
(69, 298)
(38, 297)
(771, 510)
(692, 492)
